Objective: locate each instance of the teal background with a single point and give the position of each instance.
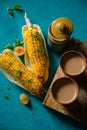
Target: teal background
(13, 114)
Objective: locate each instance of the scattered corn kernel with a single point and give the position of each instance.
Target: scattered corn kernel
(24, 98)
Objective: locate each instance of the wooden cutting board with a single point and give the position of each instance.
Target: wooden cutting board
(78, 109)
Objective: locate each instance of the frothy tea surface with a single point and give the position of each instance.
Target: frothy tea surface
(65, 90)
(73, 64)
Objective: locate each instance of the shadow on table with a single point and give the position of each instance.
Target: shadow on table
(68, 120)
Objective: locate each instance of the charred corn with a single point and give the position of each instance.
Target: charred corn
(36, 52)
(15, 68)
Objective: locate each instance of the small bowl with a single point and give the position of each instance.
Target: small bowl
(65, 90)
(73, 63)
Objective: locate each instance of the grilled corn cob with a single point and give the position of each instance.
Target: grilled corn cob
(25, 77)
(36, 52)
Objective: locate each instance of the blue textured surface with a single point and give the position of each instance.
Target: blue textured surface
(14, 115)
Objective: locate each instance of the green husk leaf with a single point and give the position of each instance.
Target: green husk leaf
(6, 97)
(10, 12)
(18, 43)
(9, 88)
(17, 7)
(9, 46)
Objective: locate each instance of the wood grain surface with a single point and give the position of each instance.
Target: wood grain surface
(78, 109)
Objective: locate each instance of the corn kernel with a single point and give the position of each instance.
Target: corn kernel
(36, 52)
(15, 68)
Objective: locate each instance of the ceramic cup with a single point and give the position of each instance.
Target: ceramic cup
(73, 63)
(65, 90)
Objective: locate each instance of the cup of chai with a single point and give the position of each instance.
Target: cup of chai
(73, 63)
(59, 33)
(65, 90)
